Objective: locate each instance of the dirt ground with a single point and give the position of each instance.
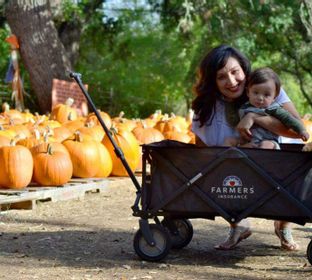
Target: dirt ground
(93, 239)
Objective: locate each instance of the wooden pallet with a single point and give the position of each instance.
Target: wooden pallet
(28, 197)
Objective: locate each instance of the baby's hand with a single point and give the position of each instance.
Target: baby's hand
(305, 135)
(245, 125)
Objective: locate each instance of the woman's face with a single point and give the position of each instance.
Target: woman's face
(231, 80)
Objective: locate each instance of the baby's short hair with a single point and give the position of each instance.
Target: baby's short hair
(262, 75)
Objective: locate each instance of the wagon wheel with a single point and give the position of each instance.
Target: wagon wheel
(180, 230)
(155, 252)
(309, 252)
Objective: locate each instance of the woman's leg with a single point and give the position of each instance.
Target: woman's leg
(237, 233)
(283, 231)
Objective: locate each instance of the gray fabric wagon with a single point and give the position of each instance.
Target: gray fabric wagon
(186, 181)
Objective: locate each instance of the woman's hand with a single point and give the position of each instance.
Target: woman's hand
(245, 125)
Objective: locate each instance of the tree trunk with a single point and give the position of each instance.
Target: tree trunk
(41, 50)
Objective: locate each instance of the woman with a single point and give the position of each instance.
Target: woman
(220, 91)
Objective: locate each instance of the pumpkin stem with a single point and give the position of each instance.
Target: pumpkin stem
(89, 124)
(5, 107)
(37, 133)
(143, 123)
(11, 121)
(70, 116)
(78, 136)
(14, 140)
(165, 117)
(121, 114)
(50, 149)
(69, 101)
(113, 130)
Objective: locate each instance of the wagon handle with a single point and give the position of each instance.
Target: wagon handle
(119, 153)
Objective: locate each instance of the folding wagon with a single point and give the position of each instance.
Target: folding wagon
(182, 182)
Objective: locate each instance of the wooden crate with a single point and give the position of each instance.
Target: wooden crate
(27, 198)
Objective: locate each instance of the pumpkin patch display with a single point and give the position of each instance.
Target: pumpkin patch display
(52, 149)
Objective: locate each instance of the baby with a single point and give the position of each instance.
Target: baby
(263, 86)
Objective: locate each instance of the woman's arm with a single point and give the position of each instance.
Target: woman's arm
(276, 126)
(270, 123)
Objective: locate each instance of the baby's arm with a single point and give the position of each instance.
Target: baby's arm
(289, 121)
(274, 125)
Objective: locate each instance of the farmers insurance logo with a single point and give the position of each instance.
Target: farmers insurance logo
(232, 188)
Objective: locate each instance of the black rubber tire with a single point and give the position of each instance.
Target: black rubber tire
(183, 235)
(309, 252)
(151, 253)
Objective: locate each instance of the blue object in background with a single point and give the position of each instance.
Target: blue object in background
(10, 73)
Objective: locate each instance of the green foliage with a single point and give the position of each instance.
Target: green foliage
(146, 58)
(137, 70)
(5, 52)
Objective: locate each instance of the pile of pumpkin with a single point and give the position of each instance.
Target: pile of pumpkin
(50, 150)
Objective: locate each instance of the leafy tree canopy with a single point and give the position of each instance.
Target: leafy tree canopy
(142, 57)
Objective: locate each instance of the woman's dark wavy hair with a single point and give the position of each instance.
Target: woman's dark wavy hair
(206, 86)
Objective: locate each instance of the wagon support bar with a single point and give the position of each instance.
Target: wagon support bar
(119, 153)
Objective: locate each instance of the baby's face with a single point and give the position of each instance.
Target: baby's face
(262, 95)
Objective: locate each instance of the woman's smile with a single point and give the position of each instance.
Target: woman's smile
(231, 80)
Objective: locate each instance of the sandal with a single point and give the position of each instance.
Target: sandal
(235, 236)
(287, 241)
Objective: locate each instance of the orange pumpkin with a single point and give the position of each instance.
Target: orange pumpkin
(74, 125)
(7, 132)
(95, 131)
(16, 166)
(52, 168)
(122, 123)
(12, 113)
(178, 136)
(130, 147)
(43, 147)
(147, 135)
(84, 156)
(61, 133)
(64, 112)
(21, 130)
(29, 142)
(105, 117)
(105, 162)
(167, 124)
(4, 141)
